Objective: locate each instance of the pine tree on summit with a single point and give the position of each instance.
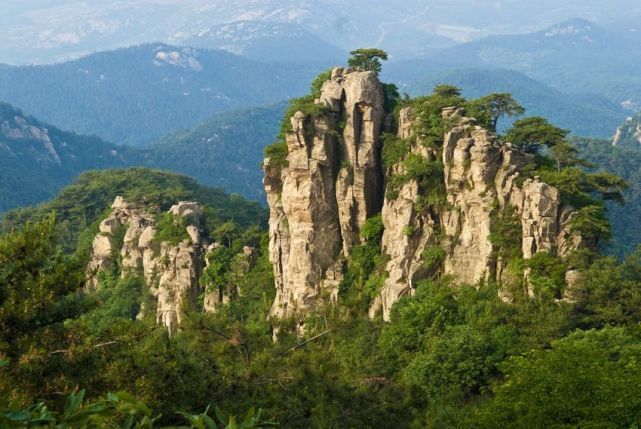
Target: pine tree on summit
(368, 59)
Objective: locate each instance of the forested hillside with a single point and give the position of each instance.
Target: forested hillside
(453, 357)
(137, 95)
(37, 159)
(82, 203)
(225, 151)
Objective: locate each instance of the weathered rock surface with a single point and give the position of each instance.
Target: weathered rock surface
(409, 230)
(331, 185)
(334, 181)
(480, 178)
(171, 272)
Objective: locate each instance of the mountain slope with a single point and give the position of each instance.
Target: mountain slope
(224, 151)
(36, 159)
(266, 41)
(574, 56)
(139, 94)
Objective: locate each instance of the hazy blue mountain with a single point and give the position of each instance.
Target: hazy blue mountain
(54, 30)
(267, 41)
(575, 56)
(584, 114)
(37, 159)
(139, 94)
(225, 151)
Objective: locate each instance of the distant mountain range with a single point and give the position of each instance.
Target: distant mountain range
(39, 31)
(267, 41)
(139, 94)
(37, 159)
(575, 72)
(573, 57)
(584, 114)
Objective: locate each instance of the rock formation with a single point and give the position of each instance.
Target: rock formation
(171, 270)
(334, 181)
(481, 178)
(331, 185)
(629, 133)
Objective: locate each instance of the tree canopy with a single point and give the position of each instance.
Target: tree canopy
(490, 108)
(368, 59)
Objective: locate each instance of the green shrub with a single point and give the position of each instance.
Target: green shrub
(171, 229)
(394, 150)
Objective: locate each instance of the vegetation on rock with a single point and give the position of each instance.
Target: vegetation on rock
(368, 59)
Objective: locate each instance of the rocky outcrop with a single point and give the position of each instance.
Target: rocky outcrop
(171, 270)
(629, 133)
(334, 181)
(481, 178)
(331, 185)
(409, 229)
(120, 230)
(20, 128)
(179, 267)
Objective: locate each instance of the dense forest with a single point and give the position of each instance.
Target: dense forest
(451, 356)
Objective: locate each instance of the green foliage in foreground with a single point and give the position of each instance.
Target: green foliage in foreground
(119, 410)
(604, 365)
(450, 357)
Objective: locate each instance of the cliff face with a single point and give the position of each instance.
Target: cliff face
(480, 176)
(319, 202)
(335, 180)
(171, 271)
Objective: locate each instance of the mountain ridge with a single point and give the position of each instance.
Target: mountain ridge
(137, 95)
